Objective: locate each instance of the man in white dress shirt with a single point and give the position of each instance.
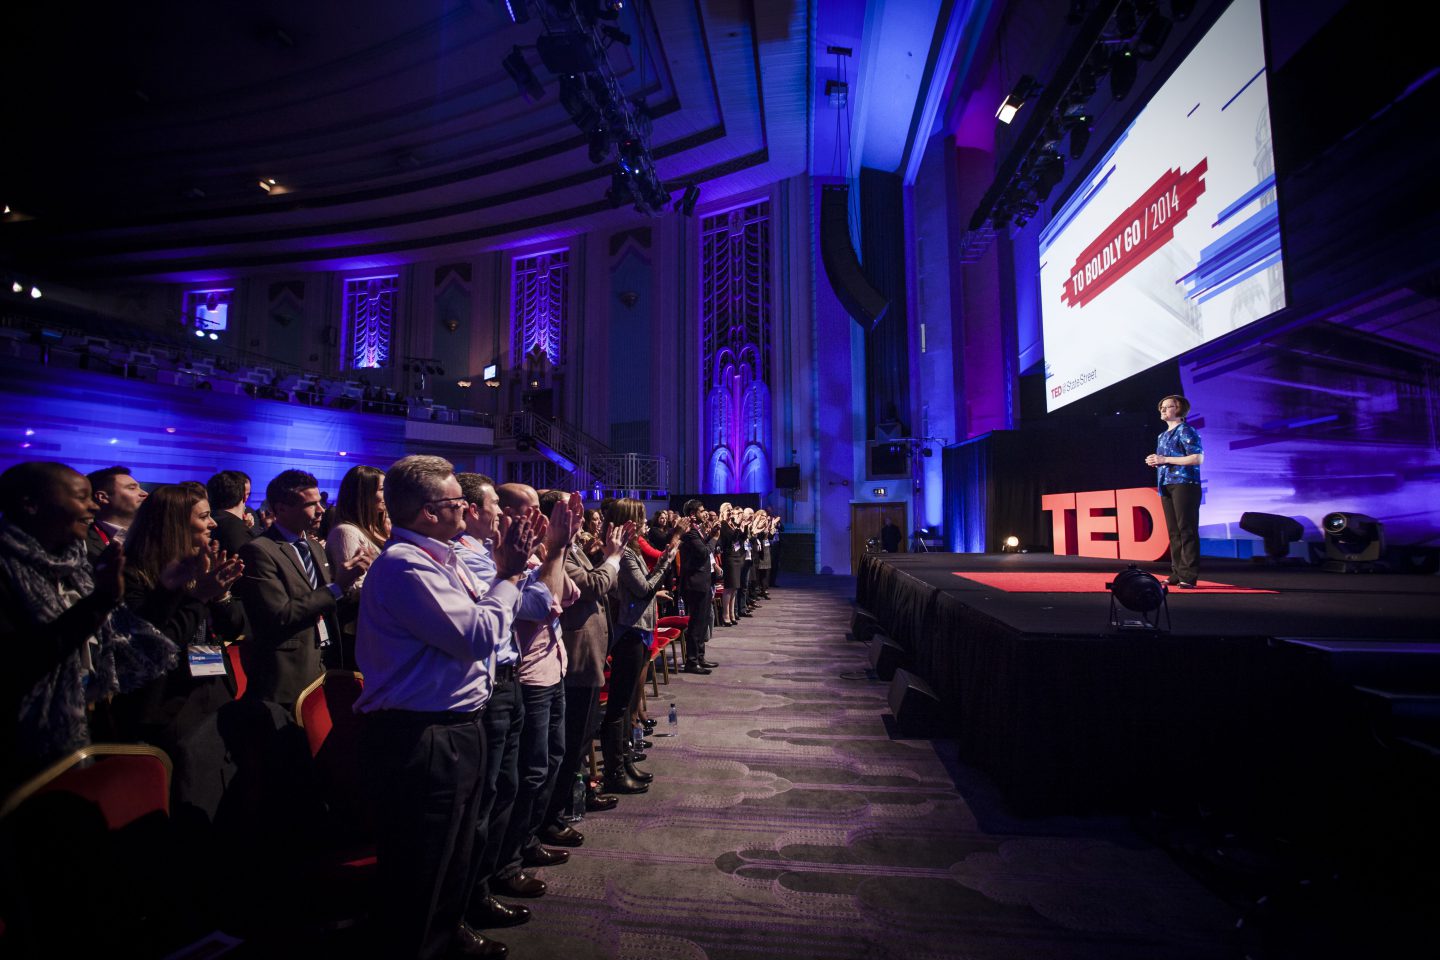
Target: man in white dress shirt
(426, 642)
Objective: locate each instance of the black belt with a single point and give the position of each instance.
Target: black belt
(504, 673)
(424, 716)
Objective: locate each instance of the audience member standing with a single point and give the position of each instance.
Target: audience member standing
(732, 560)
(179, 580)
(697, 547)
(117, 496)
(634, 624)
(361, 526)
(426, 643)
(762, 555)
(68, 643)
(541, 671)
(228, 491)
(504, 715)
(289, 595)
(586, 635)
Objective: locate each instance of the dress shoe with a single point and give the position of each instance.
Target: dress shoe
(1172, 580)
(490, 912)
(598, 802)
(566, 836)
(1186, 584)
(472, 943)
(620, 781)
(649, 724)
(636, 773)
(521, 885)
(709, 664)
(695, 668)
(636, 756)
(538, 856)
(648, 744)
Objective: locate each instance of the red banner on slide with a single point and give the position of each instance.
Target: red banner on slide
(1144, 227)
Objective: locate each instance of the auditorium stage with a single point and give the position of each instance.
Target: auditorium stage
(1067, 715)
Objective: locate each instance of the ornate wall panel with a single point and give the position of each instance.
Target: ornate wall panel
(539, 299)
(737, 313)
(368, 320)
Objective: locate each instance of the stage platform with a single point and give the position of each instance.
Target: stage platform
(1069, 715)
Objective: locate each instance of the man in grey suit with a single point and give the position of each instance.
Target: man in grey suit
(289, 593)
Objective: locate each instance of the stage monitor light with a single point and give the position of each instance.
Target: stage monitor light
(567, 53)
(1138, 592)
(1278, 532)
(1124, 68)
(1152, 36)
(526, 82)
(1011, 544)
(1353, 541)
(1011, 105)
(599, 145)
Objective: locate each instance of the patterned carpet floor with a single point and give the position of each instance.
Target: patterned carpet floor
(786, 822)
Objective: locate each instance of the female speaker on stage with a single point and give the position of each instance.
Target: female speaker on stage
(1177, 458)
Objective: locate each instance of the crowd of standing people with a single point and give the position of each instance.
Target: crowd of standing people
(488, 622)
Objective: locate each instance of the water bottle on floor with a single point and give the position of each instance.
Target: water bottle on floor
(680, 607)
(637, 736)
(576, 811)
(672, 722)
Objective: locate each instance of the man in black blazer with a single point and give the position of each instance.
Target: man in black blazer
(229, 489)
(289, 594)
(697, 546)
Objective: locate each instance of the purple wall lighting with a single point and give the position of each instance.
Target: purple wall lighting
(369, 314)
(167, 433)
(736, 313)
(539, 299)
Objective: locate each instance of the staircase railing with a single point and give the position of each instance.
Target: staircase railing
(585, 462)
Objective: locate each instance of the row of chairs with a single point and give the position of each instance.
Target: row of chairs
(125, 784)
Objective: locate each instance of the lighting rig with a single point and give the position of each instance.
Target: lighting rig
(577, 34)
(1112, 36)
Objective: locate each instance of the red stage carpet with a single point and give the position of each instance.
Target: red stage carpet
(1086, 581)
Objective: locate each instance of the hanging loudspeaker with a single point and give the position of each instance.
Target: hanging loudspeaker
(862, 301)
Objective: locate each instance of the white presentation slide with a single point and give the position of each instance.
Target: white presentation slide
(1174, 237)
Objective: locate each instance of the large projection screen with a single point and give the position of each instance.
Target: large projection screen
(1174, 238)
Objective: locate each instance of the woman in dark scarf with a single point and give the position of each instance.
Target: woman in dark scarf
(67, 645)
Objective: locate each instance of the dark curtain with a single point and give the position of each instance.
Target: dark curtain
(994, 482)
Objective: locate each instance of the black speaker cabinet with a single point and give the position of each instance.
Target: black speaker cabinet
(916, 708)
(886, 656)
(862, 301)
(787, 478)
(863, 626)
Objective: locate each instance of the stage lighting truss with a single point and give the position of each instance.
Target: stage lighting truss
(1138, 592)
(1113, 37)
(616, 128)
